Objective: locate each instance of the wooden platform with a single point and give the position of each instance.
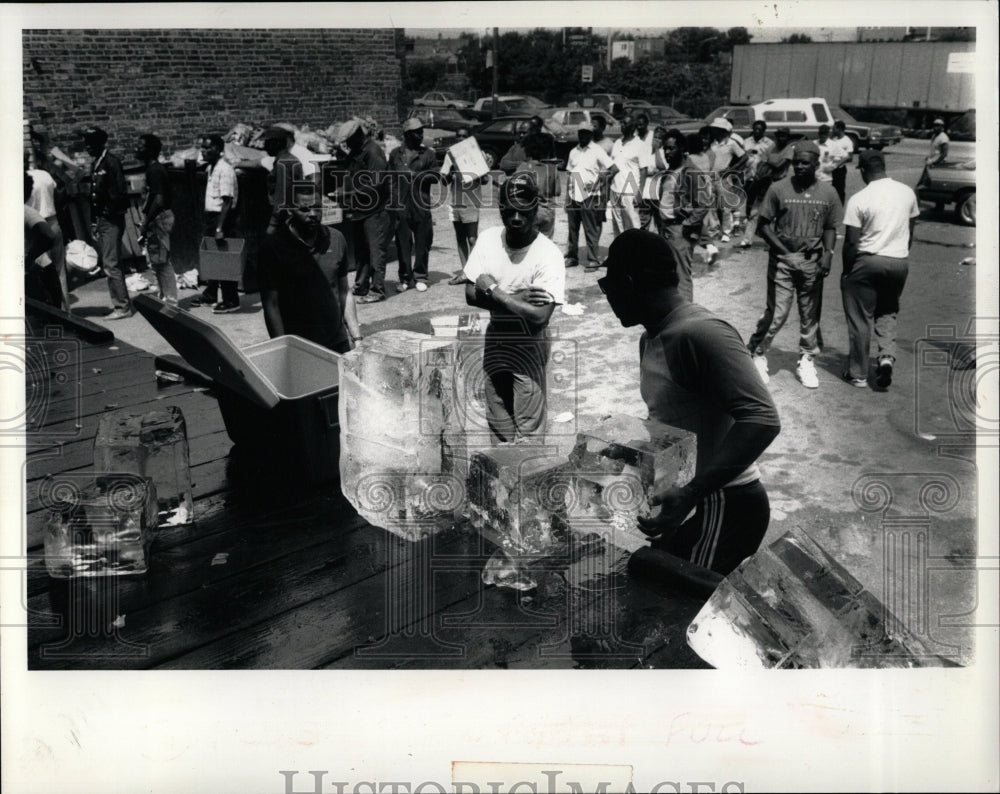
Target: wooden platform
(273, 575)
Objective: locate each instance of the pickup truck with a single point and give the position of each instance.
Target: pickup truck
(803, 118)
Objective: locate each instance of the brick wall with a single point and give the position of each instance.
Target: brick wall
(180, 83)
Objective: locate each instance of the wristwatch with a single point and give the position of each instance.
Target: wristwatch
(488, 292)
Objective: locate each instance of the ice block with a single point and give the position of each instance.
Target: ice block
(617, 464)
(518, 498)
(791, 605)
(106, 530)
(152, 444)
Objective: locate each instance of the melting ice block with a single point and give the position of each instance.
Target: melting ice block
(105, 530)
(518, 498)
(396, 402)
(153, 444)
(617, 464)
(791, 605)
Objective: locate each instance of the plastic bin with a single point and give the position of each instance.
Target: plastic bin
(221, 261)
(278, 398)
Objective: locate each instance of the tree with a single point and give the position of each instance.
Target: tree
(798, 38)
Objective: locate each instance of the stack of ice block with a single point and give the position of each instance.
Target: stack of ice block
(792, 605)
(105, 530)
(519, 496)
(617, 464)
(396, 401)
(154, 445)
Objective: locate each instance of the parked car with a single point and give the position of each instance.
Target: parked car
(665, 116)
(450, 119)
(507, 104)
(572, 118)
(440, 99)
(803, 118)
(613, 104)
(495, 137)
(952, 183)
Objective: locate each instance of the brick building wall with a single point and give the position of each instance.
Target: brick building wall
(180, 83)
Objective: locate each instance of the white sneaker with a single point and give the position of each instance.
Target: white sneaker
(806, 372)
(724, 238)
(421, 286)
(401, 286)
(760, 362)
(711, 251)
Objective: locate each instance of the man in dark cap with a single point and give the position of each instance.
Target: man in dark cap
(414, 169)
(518, 275)
(109, 200)
(695, 374)
(798, 220)
(878, 226)
(364, 197)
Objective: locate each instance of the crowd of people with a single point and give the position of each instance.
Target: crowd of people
(667, 193)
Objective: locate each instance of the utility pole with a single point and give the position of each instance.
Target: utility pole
(496, 61)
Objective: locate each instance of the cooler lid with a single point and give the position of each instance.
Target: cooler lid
(208, 349)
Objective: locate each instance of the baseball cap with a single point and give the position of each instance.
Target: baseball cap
(871, 157)
(806, 146)
(939, 121)
(585, 126)
(412, 123)
(95, 134)
(519, 192)
(721, 124)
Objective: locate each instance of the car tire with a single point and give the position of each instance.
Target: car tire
(965, 209)
(492, 158)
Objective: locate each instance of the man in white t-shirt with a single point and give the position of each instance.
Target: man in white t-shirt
(879, 222)
(843, 147)
(518, 275)
(939, 145)
(584, 167)
(630, 156)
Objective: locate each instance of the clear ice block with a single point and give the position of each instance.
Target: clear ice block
(152, 444)
(519, 496)
(396, 401)
(617, 464)
(106, 530)
(791, 605)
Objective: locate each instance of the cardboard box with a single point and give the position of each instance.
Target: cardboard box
(222, 261)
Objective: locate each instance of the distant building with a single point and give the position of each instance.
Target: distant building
(882, 34)
(623, 49)
(639, 49)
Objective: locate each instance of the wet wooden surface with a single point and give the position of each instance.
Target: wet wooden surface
(299, 581)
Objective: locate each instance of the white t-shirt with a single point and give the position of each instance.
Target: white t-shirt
(841, 149)
(516, 269)
(583, 170)
(882, 211)
(43, 193)
(629, 157)
(827, 154)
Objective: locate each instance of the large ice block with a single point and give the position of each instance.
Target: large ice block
(152, 444)
(396, 402)
(791, 605)
(617, 464)
(104, 530)
(518, 498)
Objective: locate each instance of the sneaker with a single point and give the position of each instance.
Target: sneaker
(760, 362)
(859, 383)
(118, 314)
(402, 287)
(711, 251)
(806, 372)
(371, 297)
(745, 243)
(222, 307)
(724, 238)
(421, 286)
(883, 375)
(571, 263)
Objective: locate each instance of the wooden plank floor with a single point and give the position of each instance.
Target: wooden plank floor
(276, 575)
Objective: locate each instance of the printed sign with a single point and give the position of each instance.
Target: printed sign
(467, 157)
(587, 74)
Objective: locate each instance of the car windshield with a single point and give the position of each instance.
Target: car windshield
(839, 114)
(555, 127)
(526, 103)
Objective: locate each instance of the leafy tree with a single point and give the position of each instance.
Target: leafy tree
(797, 38)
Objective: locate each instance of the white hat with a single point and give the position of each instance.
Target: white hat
(721, 124)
